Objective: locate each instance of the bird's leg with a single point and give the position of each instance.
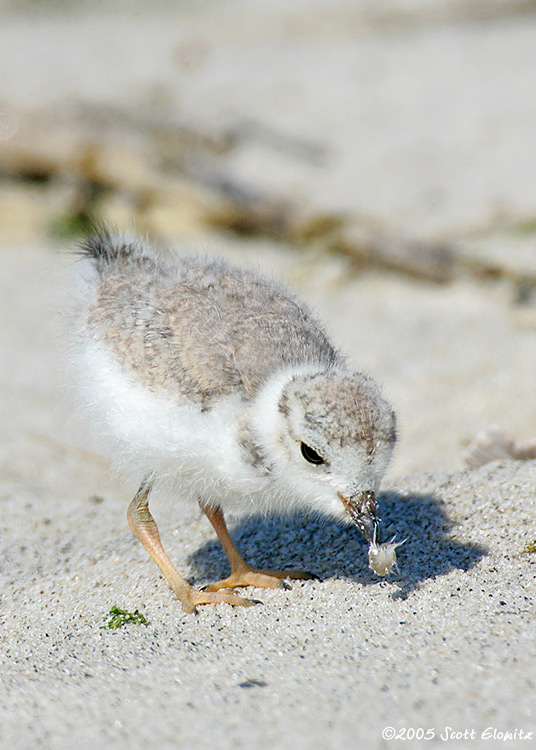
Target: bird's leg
(243, 574)
(144, 528)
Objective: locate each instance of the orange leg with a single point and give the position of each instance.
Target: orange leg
(144, 528)
(241, 573)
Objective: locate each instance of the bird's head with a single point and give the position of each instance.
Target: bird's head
(330, 435)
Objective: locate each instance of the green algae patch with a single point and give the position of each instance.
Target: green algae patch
(119, 617)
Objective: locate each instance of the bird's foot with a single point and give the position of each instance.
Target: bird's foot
(264, 579)
(194, 598)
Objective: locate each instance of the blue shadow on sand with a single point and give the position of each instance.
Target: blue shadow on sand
(330, 549)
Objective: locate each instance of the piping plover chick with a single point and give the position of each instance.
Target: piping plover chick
(223, 385)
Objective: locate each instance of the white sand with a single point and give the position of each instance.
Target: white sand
(448, 642)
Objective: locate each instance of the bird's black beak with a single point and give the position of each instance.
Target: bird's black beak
(363, 510)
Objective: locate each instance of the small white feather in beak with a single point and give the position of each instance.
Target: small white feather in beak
(382, 557)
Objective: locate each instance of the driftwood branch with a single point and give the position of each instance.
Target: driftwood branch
(168, 177)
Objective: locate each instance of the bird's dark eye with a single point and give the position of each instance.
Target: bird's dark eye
(310, 454)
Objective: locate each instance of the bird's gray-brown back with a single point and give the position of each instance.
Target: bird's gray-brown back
(197, 328)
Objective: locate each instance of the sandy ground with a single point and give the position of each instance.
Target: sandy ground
(445, 649)
(449, 642)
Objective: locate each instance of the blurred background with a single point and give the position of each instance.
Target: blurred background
(380, 156)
